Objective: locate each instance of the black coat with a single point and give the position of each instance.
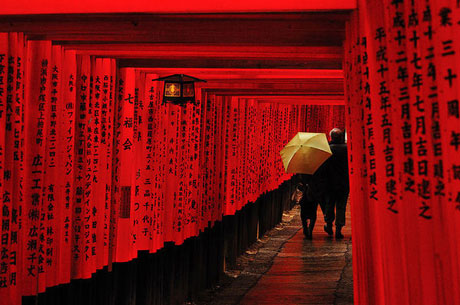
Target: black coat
(331, 176)
(337, 167)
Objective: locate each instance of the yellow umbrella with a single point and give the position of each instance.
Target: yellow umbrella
(305, 153)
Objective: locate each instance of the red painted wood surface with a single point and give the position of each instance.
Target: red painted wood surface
(180, 6)
(403, 126)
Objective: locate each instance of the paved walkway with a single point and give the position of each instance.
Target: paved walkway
(284, 268)
(307, 272)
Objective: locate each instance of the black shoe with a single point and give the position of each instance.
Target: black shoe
(328, 229)
(338, 233)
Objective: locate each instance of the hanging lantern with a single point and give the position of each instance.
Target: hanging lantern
(179, 89)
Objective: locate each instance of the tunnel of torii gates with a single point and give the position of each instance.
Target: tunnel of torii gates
(94, 168)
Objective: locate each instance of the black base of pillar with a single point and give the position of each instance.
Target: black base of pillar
(175, 273)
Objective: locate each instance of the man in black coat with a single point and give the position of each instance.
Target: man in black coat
(336, 195)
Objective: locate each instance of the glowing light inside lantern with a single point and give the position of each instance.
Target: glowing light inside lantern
(172, 90)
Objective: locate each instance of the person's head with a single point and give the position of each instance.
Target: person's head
(337, 136)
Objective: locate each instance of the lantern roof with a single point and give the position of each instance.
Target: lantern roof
(182, 78)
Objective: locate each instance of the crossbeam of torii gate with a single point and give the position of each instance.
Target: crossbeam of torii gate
(180, 6)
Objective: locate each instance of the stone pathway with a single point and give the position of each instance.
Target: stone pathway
(284, 268)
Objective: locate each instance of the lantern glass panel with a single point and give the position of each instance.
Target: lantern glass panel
(189, 90)
(172, 89)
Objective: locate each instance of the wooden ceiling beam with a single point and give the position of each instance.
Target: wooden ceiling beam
(178, 6)
(296, 87)
(179, 51)
(298, 100)
(296, 29)
(328, 85)
(270, 92)
(255, 75)
(248, 63)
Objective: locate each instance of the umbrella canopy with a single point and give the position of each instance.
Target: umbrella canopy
(305, 153)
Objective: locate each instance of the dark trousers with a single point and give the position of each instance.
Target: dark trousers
(335, 200)
(308, 210)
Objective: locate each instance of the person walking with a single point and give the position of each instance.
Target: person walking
(308, 206)
(336, 196)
